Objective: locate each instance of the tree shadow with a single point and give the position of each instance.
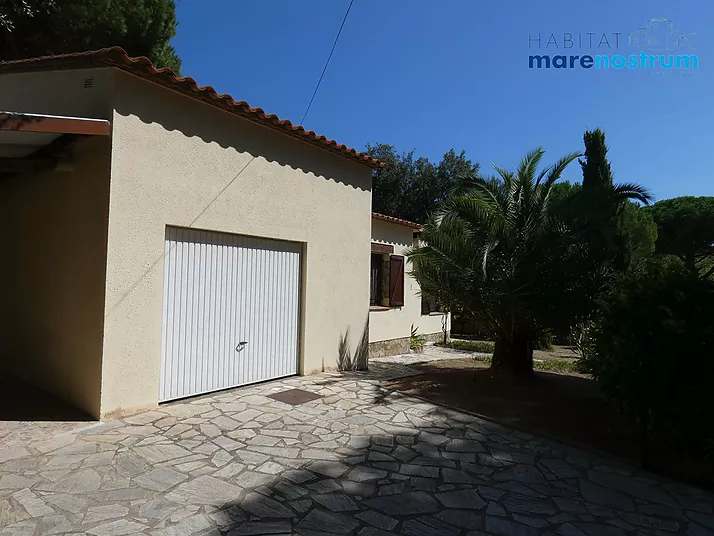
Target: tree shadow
(551, 404)
(435, 471)
(569, 408)
(346, 361)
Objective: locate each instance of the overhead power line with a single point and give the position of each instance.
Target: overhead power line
(327, 62)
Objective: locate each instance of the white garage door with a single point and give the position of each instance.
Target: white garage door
(231, 308)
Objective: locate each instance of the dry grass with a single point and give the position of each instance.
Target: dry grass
(560, 359)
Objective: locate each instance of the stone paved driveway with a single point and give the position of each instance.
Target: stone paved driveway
(431, 353)
(359, 460)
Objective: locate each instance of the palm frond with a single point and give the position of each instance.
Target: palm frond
(559, 167)
(630, 190)
(498, 249)
(463, 182)
(542, 174)
(529, 165)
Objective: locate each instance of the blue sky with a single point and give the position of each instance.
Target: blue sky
(429, 76)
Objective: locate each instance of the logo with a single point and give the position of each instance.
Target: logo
(659, 35)
(660, 47)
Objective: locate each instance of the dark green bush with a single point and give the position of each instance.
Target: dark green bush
(652, 351)
(544, 341)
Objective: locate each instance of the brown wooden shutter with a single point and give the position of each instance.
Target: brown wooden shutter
(396, 280)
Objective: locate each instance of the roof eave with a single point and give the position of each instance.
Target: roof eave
(142, 67)
(397, 221)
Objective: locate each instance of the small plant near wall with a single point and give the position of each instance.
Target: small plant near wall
(416, 341)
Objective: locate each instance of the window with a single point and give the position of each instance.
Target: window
(375, 280)
(386, 277)
(429, 305)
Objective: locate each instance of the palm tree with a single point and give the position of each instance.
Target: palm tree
(502, 252)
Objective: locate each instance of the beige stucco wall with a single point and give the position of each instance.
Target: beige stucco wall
(54, 246)
(180, 162)
(395, 323)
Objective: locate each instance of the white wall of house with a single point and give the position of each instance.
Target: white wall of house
(180, 162)
(92, 328)
(395, 322)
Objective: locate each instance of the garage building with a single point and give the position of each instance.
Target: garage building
(163, 241)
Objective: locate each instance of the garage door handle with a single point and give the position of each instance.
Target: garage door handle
(241, 345)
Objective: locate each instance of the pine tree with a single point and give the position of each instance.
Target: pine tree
(31, 28)
(597, 174)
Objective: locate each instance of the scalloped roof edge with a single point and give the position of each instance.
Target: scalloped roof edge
(142, 66)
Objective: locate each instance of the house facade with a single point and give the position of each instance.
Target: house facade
(396, 303)
(164, 241)
(199, 245)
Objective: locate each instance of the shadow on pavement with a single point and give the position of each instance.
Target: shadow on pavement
(435, 471)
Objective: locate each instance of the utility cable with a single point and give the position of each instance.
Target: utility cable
(327, 62)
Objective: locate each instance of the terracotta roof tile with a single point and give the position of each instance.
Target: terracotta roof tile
(117, 57)
(398, 221)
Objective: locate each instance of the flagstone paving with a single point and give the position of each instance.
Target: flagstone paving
(431, 353)
(357, 461)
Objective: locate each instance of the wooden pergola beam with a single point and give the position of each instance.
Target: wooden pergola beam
(53, 124)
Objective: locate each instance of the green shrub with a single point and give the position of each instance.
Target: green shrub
(652, 351)
(483, 347)
(416, 341)
(544, 341)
